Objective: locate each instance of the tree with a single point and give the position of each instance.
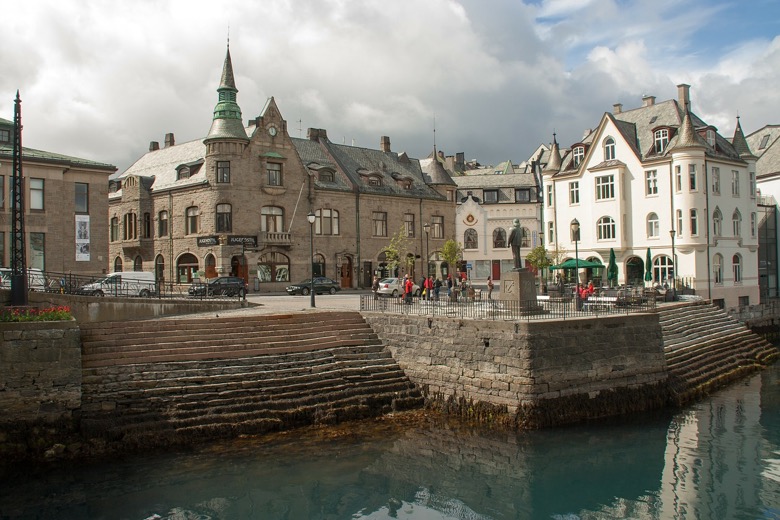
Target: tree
(538, 258)
(397, 249)
(451, 252)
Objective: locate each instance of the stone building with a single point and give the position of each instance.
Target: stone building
(237, 201)
(65, 203)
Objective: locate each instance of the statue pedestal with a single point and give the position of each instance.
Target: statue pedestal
(520, 286)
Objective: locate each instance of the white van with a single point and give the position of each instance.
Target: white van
(35, 279)
(132, 283)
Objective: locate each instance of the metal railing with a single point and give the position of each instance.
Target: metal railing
(509, 310)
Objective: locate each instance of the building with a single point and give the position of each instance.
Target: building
(489, 200)
(237, 202)
(657, 183)
(65, 208)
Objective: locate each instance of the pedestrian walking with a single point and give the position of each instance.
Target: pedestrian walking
(375, 287)
(490, 288)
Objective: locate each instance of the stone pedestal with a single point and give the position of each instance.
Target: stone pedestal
(520, 286)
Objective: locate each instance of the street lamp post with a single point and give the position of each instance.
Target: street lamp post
(674, 266)
(310, 217)
(427, 228)
(575, 236)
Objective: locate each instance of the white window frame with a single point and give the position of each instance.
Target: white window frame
(605, 187)
(574, 193)
(651, 182)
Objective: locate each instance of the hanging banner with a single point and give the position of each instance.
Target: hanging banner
(82, 238)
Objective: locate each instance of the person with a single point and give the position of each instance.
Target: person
(436, 288)
(490, 288)
(560, 285)
(515, 240)
(429, 288)
(591, 289)
(375, 287)
(449, 286)
(408, 290)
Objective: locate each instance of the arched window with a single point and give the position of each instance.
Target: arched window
(326, 176)
(138, 264)
(211, 266)
(662, 269)
(470, 240)
(736, 267)
(162, 224)
(327, 222)
(159, 268)
(118, 264)
(717, 269)
(499, 238)
(191, 220)
(275, 267)
(606, 228)
(579, 154)
(736, 223)
(609, 149)
(186, 268)
(653, 226)
(318, 265)
(525, 237)
(717, 223)
(224, 218)
(272, 219)
(130, 226)
(661, 140)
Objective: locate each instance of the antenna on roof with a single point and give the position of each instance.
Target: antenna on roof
(300, 127)
(228, 38)
(434, 130)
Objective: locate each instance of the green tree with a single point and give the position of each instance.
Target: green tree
(538, 258)
(396, 250)
(451, 252)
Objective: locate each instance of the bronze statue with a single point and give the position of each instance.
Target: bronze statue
(515, 239)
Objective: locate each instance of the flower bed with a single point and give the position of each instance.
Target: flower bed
(16, 314)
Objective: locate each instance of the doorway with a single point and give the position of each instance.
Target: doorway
(345, 271)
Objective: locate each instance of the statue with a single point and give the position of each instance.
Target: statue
(515, 239)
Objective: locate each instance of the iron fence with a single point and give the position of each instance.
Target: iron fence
(509, 310)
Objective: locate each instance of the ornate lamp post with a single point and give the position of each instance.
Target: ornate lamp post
(674, 266)
(427, 228)
(310, 217)
(575, 237)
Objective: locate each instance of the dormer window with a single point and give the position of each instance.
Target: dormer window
(710, 136)
(326, 176)
(661, 139)
(609, 149)
(5, 136)
(374, 181)
(579, 154)
(764, 141)
(183, 173)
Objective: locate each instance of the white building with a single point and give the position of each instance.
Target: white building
(658, 181)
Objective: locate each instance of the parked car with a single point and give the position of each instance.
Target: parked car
(220, 286)
(321, 285)
(130, 283)
(394, 287)
(36, 281)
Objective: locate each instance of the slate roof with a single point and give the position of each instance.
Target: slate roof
(492, 180)
(768, 163)
(435, 173)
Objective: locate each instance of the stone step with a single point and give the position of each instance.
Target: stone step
(704, 331)
(700, 342)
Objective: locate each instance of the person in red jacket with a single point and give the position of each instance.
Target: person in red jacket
(408, 288)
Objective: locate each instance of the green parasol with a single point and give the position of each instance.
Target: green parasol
(648, 266)
(612, 269)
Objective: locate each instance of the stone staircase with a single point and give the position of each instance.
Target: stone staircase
(169, 381)
(706, 349)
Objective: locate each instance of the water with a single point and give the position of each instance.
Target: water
(719, 459)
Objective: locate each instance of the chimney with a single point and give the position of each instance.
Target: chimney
(684, 96)
(648, 101)
(460, 160)
(154, 145)
(384, 143)
(169, 141)
(617, 108)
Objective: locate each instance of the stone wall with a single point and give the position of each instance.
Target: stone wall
(40, 372)
(533, 374)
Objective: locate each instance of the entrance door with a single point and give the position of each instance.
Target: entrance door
(346, 272)
(495, 269)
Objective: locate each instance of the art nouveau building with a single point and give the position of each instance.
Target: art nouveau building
(657, 182)
(237, 201)
(65, 202)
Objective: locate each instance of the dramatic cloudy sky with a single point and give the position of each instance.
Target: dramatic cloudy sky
(100, 79)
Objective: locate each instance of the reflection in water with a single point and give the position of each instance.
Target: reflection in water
(717, 459)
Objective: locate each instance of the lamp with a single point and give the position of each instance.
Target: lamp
(427, 229)
(575, 236)
(310, 217)
(674, 266)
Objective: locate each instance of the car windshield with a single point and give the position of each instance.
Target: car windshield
(388, 280)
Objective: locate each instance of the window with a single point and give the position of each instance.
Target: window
(118, 264)
(138, 264)
(130, 226)
(678, 178)
(710, 136)
(753, 225)
(653, 226)
(2, 193)
(82, 197)
(692, 177)
(327, 222)
(550, 232)
(37, 258)
(752, 183)
(409, 225)
(162, 224)
(579, 155)
(736, 267)
(679, 222)
(36, 194)
(470, 240)
(275, 267)
(717, 223)
(661, 140)
(662, 269)
(651, 182)
(274, 174)
(694, 222)
(223, 171)
(5, 137)
(525, 236)
(717, 269)
(374, 181)
(522, 195)
(549, 195)
(224, 218)
(490, 196)
(379, 221)
(764, 141)
(715, 180)
(609, 149)
(183, 173)
(735, 183)
(437, 226)
(147, 231)
(499, 238)
(326, 176)
(736, 223)
(272, 219)
(605, 187)
(574, 192)
(191, 220)
(114, 229)
(606, 228)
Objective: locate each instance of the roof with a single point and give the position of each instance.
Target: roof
(161, 165)
(768, 162)
(435, 173)
(491, 180)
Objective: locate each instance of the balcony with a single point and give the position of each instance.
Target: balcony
(275, 238)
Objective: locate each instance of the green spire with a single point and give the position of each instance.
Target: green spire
(227, 123)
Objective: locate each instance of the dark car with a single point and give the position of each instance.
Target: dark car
(221, 286)
(321, 285)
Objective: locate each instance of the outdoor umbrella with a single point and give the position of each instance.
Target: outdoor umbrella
(648, 266)
(612, 269)
(572, 263)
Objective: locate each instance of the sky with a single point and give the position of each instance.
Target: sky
(493, 79)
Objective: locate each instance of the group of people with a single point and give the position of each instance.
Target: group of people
(584, 291)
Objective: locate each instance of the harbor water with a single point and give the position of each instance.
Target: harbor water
(717, 459)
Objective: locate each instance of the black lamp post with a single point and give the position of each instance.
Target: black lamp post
(427, 228)
(674, 266)
(310, 217)
(575, 236)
